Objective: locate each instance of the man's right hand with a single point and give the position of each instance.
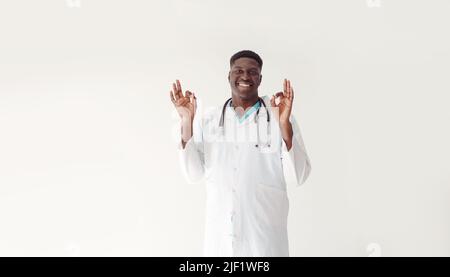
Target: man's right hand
(186, 106)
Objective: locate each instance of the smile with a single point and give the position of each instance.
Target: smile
(244, 85)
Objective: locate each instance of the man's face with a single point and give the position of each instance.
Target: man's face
(245, 77)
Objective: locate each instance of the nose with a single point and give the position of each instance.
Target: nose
(245, 76)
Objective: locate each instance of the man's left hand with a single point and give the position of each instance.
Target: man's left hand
(282, 111)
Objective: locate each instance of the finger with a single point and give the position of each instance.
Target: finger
(171, 97)
(175, 92)
(189, 94)
(272, 101)
(182, 101)
(194, 102)
(292, 94)
(284, 85)
(179, 87)
(288, 88)
(279, 94)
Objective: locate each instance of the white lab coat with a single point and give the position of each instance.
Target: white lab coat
(246, 200)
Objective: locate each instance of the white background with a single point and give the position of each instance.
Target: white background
(88, 162)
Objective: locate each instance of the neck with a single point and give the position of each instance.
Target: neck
(243, 103)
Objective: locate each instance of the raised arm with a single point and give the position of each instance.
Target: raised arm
(190, 151)
(186, 105)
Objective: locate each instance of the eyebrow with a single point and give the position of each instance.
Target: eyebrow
(237, 66)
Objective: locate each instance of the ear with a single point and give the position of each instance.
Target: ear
(260, 78)
(228, 76)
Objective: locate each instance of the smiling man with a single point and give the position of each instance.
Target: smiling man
(246, 200)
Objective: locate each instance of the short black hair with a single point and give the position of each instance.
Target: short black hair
(246, 54)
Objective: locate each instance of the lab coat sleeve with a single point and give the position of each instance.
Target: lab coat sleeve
(296, 159)
(192, 156)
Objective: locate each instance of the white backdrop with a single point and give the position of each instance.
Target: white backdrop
(88, 164)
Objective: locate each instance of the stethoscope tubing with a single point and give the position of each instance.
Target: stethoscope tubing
(262, 103)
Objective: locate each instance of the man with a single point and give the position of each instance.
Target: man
(246, 200)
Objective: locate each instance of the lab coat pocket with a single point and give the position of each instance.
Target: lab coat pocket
(272, 206)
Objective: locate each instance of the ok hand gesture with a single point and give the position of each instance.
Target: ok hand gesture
(184, 104)
(285, 104)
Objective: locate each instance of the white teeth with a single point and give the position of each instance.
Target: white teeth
(243, 85)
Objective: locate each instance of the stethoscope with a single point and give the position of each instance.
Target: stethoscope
(261, 103)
